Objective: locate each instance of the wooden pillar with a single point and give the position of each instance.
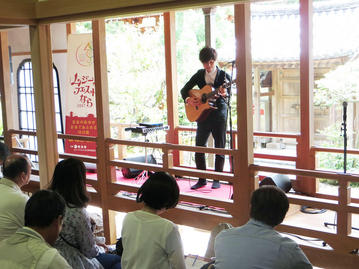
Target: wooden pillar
(306, 158)
(209, 26)
(70, 28)
(171, 80)
(344, 219)
(5, 87)
(243, 189)
(210, 39)
(41, 58)
(103, 125)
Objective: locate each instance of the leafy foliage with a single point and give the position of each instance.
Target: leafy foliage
(335, 161)
(341, 84)
(136, 73)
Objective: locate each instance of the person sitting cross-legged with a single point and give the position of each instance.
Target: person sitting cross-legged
(31, 246)
(256, 244)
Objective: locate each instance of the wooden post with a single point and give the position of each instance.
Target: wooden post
(41, 58)
(103, 126)
(209, 25)
(306, 158)
(171, 80)
(243, 189)
(344, 219)
(5, 87)
(210, 39)
(70, 28)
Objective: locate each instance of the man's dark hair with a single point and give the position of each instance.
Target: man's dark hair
(4, 152)
(69, 180)
(159, 191)
(13, 167)
(269, 204)
(207, 53)
(43, 208)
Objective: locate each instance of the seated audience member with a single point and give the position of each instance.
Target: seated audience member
(16, 170)
(150, 241)
(256, 244)
(77, 241)
(30, 246)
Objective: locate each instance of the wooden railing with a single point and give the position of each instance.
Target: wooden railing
(258, 134)
(342, 241)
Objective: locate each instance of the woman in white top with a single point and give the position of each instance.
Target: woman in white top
(150, 241)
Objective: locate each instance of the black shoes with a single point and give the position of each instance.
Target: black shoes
(203, 182)
(216, 184)
(200, 183)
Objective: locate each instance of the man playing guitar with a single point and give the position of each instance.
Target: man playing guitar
(212, 120)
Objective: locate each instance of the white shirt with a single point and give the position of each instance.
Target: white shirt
(150, 241)
(12, 208)
(211, 76)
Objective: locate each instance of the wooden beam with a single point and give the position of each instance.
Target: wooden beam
(14, 22)
(70, 28)
(171, 80)
(69, 10)
(243, 189)
(5, 87)
(306, 157)
(17, 11)
(41, 57)
(26, 53)
(103, 125)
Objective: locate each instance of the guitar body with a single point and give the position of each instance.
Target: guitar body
(194, 113)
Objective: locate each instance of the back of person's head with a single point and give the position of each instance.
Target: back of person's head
(69, 180)
(160, 191)
(43, 208)
(4, 152)
(16, 164)
(269, 204)
(207, 53)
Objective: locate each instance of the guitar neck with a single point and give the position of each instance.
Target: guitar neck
(216, 90)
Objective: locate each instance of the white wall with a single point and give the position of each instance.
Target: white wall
(19, 41)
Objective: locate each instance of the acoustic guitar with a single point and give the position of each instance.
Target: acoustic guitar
(207, 96)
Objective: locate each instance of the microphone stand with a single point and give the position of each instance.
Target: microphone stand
(344, 129)
(345, 138)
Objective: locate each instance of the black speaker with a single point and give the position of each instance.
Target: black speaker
(279, 180)
(133, 172)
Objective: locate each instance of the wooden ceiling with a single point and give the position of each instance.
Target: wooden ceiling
(27, 12)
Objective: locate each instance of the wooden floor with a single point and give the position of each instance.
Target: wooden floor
(321, 220)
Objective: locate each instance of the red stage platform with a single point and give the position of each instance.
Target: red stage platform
(225, 192)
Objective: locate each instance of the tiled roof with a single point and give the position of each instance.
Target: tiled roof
(276, 33)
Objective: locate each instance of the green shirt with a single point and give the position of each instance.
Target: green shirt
(12, 208)
(26, 249)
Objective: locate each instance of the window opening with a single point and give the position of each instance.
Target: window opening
(26, 106)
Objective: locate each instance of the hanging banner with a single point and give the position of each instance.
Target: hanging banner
(80, 103)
